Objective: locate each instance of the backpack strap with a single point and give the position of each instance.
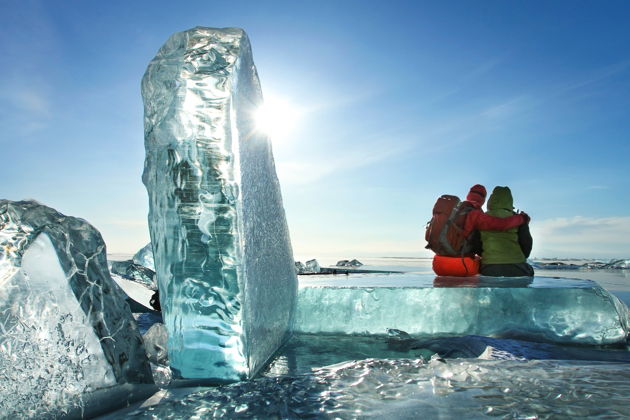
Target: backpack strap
(450, 223)
(461, 209)
(467, 208)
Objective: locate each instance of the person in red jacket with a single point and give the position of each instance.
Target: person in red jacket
(476, 220)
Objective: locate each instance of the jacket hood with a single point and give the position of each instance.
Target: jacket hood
(501, 199)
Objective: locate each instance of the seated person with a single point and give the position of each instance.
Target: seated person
(467, 264)
(505, 253)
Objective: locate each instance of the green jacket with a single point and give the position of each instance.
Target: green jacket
(501, 247)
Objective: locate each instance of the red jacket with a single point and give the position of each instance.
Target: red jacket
(477, 219)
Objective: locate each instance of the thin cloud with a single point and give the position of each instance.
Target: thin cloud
(27, 110)
(578, 87)
(507, 109)
(467, 78)
(31, 101)
(521, 103)
(33, 47)
(436, 136)
(582, 237)
(299, 172)
(483, 69)
(596, 76)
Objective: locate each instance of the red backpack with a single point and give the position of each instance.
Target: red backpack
(445, 231)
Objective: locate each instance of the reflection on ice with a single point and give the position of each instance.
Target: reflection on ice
(413, 388)
(306, 352)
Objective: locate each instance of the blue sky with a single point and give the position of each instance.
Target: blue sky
(399, 102)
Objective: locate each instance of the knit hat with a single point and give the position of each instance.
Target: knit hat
(477, 195)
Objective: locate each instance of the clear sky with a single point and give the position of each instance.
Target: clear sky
(393, 104)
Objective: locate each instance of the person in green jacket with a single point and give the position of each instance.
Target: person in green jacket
(505, 253)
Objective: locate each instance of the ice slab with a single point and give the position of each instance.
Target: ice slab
(312, 266)
(309, 267)
(144, 257)
(299, 267)
(540, 308)
(550, 264)
(410, 389)
(349, 263)
(65, 327)
(131, 271)
(220, 241)
(305, 352)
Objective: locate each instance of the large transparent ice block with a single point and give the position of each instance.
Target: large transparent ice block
(220, 240)
(548, 309)
(65, 328)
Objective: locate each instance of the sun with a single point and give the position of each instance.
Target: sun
(278, 118)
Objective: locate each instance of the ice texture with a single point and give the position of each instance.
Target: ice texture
(220, 241)
(351, 263)
(155, 342)
(65, 327)
(413, 388)
(548, 264)
(578, 311)
(144, 257)
(135, 272)
(310, 267)
(300, 268)
(617, 264)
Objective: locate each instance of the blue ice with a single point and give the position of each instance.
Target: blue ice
(220, 240)
(539, 308)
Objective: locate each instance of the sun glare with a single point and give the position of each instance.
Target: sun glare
(277, 118)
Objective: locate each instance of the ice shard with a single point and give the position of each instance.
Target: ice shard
(134, 272)
(310, 267)
(541, 309)
(144, 257)
(220, 241)
(65, 328)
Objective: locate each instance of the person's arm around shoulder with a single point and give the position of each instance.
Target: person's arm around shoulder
(483, 221)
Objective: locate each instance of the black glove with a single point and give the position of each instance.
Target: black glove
(526, 217)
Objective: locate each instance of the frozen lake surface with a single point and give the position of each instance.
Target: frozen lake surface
(404, 376)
